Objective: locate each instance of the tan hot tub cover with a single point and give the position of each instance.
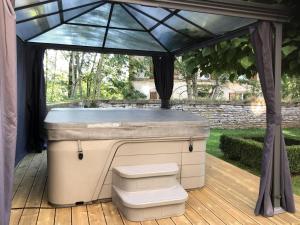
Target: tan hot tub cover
(100, 124)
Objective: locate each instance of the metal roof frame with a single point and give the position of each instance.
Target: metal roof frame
(245, 9)
(237, 8)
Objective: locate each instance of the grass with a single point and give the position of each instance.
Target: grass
(214, 141)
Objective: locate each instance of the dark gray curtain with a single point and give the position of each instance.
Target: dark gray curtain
(35, 97)
(8, 106)
(22, 131)
(163, 69)
(31, 100)
(263, 42)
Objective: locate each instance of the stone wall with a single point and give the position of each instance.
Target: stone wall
(220, 114)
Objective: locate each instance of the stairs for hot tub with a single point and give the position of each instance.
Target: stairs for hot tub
(148, 191)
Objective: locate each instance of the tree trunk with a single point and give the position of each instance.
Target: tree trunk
(54, 76)
(130, 68)
(215, 90)
(89, 80)
(188, 88)
(74, 74)
(46, 69)
(79, 63)
(195, 86)
(70, 76)
(98, 78)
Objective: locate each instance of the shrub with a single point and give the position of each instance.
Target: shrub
(289, 140)
(251, 154)
(230, 146)
(248, 150)
(293, 153)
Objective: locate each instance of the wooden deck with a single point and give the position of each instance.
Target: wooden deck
(228, 198)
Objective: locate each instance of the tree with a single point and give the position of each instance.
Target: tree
(228, 60)
(187, 65)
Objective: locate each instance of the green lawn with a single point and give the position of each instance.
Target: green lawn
(214, 140)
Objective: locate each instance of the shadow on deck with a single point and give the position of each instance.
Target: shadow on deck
(228, 197)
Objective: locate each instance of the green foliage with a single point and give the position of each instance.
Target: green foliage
(213, 143)
(126, 90)
(290, 87)
(230, 147)
(140, 67)
(187, 65)
(247, 150)
(293, 153)
(254, 88)
(236, 57)
(251, 153)
(231, 58)
(92, 76)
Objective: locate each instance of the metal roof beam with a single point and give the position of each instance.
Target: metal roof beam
(94, 49)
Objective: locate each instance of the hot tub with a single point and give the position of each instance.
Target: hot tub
(85, 144)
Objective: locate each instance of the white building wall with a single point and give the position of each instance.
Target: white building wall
(147, 86)
(180, 91)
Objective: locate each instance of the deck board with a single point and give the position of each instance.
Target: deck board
(228, 197)
(166, 221)
(46, 217)
(63, 216)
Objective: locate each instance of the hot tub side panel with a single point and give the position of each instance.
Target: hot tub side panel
(191, 164)
(72, 180)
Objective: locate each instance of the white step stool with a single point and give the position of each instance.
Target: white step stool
(148, 191)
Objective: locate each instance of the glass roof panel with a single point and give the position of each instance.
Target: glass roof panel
(35, 11)
(217, 24)
(34, 27)
(98, 16)
(133, 40)
(185, 27)
(145, 20)
(157, 13)
(122, 19)
(73, 35)
(169, 38)
(77, 12)
(125, 29)
(21, 3)
(67, 4)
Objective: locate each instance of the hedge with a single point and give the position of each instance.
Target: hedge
(289, 140)
(248, 150)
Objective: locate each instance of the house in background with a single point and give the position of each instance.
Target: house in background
(228, 91)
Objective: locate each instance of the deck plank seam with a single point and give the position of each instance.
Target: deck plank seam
(24, 208)
(44, 185)
(241, 212)
(27, 167)
(103, 214)
(196, 213)
(220, 196)
(200, 214)
(212, 210)
(35, 175)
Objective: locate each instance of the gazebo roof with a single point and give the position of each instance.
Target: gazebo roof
(141, 27)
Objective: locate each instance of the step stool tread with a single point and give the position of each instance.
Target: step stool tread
(153, 198)
(149, 170)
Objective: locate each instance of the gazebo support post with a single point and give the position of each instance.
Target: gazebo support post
(276, 196)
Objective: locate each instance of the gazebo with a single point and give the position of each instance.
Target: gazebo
(162, 29)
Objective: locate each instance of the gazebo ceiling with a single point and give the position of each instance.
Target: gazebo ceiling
(120, 26)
